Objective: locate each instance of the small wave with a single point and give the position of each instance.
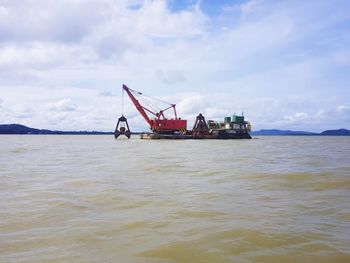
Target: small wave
(198, 214)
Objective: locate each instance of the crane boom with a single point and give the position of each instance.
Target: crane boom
(138, 105)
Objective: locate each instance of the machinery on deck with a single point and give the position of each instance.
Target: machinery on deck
(200, 127)
(175, 127)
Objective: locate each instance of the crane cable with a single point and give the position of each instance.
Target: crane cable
(165, 102)
(150, 104)
(122, 102)
(142, 98)
(151, 97)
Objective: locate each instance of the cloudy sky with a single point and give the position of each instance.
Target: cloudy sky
(285, 64)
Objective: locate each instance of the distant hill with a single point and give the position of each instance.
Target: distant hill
(340, 132)
(16, 129)
(281, 132)
(274, 132)
(21, 129)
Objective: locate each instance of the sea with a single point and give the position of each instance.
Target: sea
(92, 198)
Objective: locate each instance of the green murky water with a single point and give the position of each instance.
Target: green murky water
(94, 199)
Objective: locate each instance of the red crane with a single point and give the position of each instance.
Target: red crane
(159, 124)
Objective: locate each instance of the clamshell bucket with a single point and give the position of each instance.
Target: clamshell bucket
(200, 127)
(122, 128)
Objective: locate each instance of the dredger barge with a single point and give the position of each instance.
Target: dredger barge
(233, 127)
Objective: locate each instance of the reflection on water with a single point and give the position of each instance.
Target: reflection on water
(94, 199)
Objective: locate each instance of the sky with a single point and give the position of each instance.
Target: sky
(284, 64)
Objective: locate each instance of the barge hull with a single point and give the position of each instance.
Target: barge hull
(155, 136)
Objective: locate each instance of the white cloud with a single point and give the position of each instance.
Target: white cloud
(299, 116)
(63, 105)
(343, 108)
(106, 94)
(35, 55)
(170, 77)
(250, 6)
(191, 104)
(330, 118)
(155, 20)
(280, 63)
(56, 21)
